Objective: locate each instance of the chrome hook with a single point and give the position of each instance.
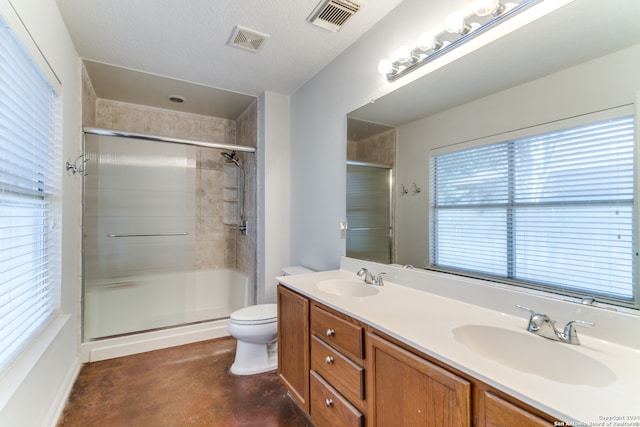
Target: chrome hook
(77, 169)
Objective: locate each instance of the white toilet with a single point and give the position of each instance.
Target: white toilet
(256, 330)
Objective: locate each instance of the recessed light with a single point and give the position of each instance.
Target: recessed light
(177, 99)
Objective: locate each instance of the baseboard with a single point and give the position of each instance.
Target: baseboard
(56, 409)
(149, 341)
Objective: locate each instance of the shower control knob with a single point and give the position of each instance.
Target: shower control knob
(329, 360)
(328, 402)
(330, 332)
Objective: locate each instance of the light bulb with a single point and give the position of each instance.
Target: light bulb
(455, 23)
(403, 53)
(428, 41)
(385, 66)
(487, 7)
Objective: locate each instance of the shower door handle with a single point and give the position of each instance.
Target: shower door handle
(147, 234)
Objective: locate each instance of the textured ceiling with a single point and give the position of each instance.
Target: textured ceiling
(142, 51)
(188, 40)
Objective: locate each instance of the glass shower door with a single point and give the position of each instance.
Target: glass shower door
(369, 233)
(138, 234)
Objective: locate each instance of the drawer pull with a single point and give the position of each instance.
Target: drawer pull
(329, 360)
(330, 332)
(328, 402)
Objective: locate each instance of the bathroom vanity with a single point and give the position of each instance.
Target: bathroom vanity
(355, 355)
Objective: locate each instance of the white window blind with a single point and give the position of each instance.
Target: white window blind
(29, 132)
(553, 210)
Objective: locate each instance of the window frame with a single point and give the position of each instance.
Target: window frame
(51, 197)
(556, 292)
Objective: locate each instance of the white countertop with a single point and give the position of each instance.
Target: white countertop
(427, 321)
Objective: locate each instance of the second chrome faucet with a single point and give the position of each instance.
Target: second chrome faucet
(541, 324)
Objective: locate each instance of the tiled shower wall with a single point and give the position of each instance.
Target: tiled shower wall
(380, 149)
(247, 134)
(217, 245)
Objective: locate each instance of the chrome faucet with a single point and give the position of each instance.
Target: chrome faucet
(378, 280)
(541, 324)
(369, 278)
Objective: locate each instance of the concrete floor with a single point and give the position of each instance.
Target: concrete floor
(181, 386)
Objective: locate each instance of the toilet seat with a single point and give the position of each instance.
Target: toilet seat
(255, 315)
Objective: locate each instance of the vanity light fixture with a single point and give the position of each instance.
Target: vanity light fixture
(488, 7)
(455, 23)
(405, 56)
(458, 30)
(428, 41)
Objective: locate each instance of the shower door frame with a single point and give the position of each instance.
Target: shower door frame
(391, 224)
(159, 138)
(145, 137)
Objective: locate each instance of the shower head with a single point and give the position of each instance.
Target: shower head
(231, 157)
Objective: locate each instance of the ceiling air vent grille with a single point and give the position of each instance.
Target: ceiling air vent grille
(247, 39)
(332, 14)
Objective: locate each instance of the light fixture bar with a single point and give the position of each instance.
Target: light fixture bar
(447, 40)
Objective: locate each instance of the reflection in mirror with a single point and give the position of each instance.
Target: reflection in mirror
(371, 160)
(370, 231)
(549, 70)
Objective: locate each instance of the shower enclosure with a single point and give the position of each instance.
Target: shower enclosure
(369, 212)
(163, 224)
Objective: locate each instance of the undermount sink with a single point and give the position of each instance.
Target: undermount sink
(535, 355)
(349, 288)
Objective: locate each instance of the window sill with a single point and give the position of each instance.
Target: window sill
(17, 372)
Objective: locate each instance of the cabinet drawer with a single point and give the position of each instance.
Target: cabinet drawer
(340, 372)
(336, 331)
(499, 412)
(329, 408)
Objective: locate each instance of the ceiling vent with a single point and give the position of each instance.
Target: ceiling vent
(332, 14)
(246, 39)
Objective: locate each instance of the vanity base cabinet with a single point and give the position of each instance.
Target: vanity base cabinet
(293, 345)
(407, 390)
(344, 373)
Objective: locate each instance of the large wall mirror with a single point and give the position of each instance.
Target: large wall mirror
(581, 58)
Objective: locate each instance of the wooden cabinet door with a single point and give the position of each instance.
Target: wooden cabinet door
(293, 344)
(500, 413)
(410, 391)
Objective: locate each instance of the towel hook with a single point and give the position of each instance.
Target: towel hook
(416, 189)
(77, 169)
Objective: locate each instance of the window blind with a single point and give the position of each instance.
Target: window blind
(29, 131)
(553, 210)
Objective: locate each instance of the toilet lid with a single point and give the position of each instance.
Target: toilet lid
(261, 313)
